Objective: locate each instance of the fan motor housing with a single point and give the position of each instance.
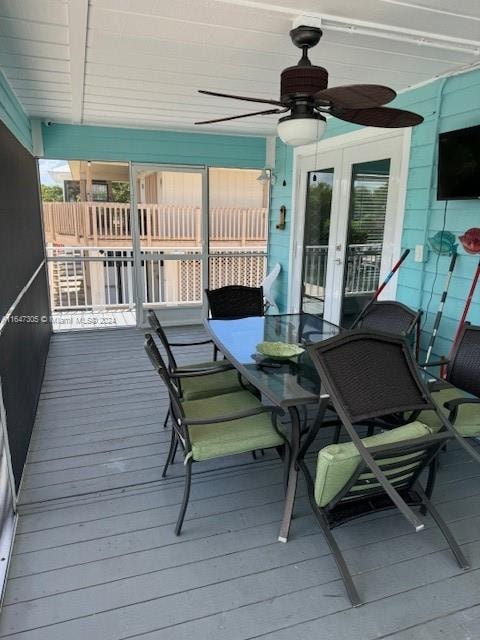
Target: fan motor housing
(300, 81)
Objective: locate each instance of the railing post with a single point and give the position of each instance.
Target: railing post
(94, 218)
(86, 222)
(243, 232)
(47, 221)
(97, 281)
(148, 231)
(76, 224)
(198, 225)
(51, 267)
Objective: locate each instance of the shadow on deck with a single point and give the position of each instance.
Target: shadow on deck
(96, 557)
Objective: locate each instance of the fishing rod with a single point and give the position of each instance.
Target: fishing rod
(439, 315)
(389, 276)
(467, 304)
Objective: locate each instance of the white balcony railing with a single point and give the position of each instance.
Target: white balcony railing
(84, 278)
(362, 269)
(94, 223)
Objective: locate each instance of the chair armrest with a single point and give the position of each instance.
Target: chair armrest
(197, 373)
(454, 404)
(399, 447)
(235, 416)
(438, 385)
(215, 366)
(189, 344)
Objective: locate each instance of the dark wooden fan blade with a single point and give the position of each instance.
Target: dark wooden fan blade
(245, 115)
(228, 95)
(379, 117)
(356, 96)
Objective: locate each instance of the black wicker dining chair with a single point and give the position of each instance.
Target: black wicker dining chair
(218, 378)
(215, 427)
(389, 316)
(366, 375)
(459, 399)
(234, 301)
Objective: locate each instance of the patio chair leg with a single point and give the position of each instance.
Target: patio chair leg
(165, 422)
(174, 453)
(186, 496)
(432, 475)
(173, 445)
(442, 525)
(332, 543)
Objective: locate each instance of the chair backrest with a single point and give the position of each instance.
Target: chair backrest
(161, 368)
(388, 316)
(369, 375)
(463, 369)
(157, 327)
(235, 301)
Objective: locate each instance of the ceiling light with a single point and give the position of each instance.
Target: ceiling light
(296, 131)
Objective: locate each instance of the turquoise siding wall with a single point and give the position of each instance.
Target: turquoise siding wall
(75, 142)
(446, 105)
(279, 240)
(13, 115)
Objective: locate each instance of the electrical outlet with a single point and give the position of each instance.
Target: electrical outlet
(421, 253)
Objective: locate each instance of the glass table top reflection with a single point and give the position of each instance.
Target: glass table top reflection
(286, 382)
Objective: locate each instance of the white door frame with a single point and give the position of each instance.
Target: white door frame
(325, 150)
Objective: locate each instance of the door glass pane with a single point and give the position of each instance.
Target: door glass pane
(170, 229)
(316, 237)
(238, 222)
(88, 240)
(366, 227)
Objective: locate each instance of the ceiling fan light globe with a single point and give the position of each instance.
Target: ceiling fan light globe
(299, 131)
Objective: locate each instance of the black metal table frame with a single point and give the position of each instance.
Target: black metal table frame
(295, 430)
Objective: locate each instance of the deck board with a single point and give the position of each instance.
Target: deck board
(95, 553)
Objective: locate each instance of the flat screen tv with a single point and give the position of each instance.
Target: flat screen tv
(459, 164)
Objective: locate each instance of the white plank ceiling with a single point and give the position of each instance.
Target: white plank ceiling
(139, 62)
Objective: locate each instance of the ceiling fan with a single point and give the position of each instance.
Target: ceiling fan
(304, 93)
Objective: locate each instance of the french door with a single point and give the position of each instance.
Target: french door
(349, 200)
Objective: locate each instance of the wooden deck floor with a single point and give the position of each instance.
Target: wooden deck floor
(96, 558)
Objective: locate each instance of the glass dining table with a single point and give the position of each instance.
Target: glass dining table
(289, 383)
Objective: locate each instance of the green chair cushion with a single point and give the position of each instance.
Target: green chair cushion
(228, 438)
(337, 462)
(468, 418)
(210, 385)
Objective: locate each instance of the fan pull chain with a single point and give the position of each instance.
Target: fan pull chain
(284, 183)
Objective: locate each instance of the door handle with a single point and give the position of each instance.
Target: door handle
(338, 260)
